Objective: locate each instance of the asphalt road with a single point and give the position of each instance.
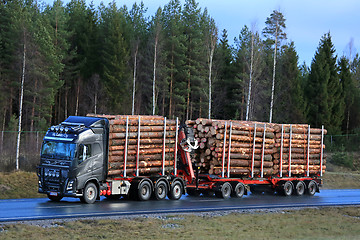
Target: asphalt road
(36, 209)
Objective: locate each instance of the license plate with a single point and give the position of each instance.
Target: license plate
(53, 193)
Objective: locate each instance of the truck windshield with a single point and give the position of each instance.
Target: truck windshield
(58, 150)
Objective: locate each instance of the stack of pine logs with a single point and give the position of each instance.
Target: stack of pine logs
(213, 158)
(298, 157)
(149, 153)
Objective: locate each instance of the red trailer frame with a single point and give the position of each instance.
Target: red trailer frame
(224, 186)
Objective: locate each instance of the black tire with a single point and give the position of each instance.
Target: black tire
(90, 193)
(311, 188)
(300, 188)
(160, 190)
(55, 198)
(224, 191)
(193, 192)
(238, 190)
(176, 191)
(288, 188)
(144, 191)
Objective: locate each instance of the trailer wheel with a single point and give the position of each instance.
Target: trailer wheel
(161, 190)
(144, 191)
(55, 198)
(300, 188)
(239, 190)
(287, 188)
(311, 188)
(224, 191)
(176, 191)
(90, 193)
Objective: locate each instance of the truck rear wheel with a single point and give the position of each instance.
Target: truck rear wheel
(144, 191)
(239, 190)
(90, 193)
(224, 191)
(161, 190)
(176, 191)
(287, 188)
(300, 188)
(311, 188)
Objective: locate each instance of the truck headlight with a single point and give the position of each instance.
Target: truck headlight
(70, 185)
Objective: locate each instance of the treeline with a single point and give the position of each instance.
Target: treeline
(78, 58)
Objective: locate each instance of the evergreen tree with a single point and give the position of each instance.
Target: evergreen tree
(82, 51)
(290, 106)
(10, 16)
(324, 92)
(227, 87)
(57, 17)
(349, 89)
(157, 41)
(115, 57)
(195, 61)
(175, 59)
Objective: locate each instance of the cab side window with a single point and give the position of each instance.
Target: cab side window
(96, 149)
(84, 152)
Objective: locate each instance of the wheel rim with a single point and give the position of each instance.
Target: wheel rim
(239, 190)
(144, 191)
(177, 190)
(226, 190)
(300, 188)
(312, 188)
(90, 193)
(287, 189)
(161, 191)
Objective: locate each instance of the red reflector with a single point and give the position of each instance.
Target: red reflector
(109, 192)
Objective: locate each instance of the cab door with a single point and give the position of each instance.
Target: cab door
(84, 167)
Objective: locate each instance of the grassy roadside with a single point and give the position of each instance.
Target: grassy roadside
(24, 184)
(325, 223)
(19, 185)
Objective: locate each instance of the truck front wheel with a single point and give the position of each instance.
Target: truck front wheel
(90, 193)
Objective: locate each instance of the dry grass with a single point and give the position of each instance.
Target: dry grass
(19, 185)
(326, 223)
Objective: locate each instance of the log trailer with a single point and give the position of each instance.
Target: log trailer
(135, 157)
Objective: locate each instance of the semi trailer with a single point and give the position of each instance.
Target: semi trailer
(152, 157)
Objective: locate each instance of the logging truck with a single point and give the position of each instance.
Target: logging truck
(152, 157)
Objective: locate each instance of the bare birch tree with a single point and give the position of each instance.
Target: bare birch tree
(211, 39)
(21, 103)
(274, 32)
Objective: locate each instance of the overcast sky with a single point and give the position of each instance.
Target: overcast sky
(306, 21)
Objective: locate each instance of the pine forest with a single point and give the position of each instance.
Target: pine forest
(73, 59)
